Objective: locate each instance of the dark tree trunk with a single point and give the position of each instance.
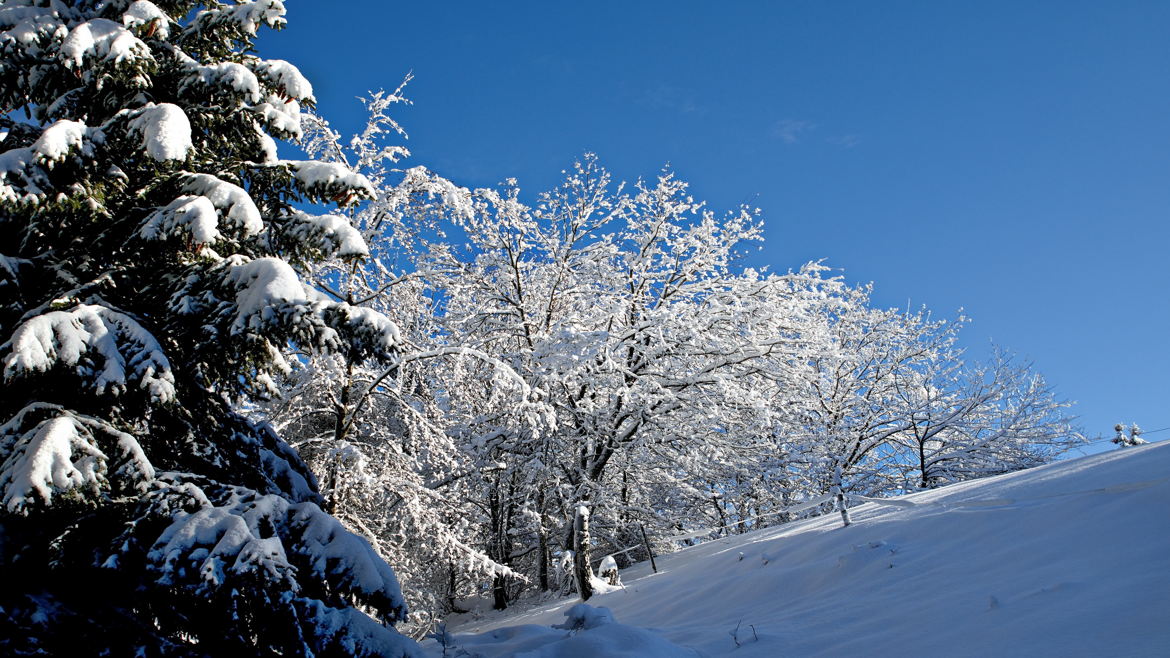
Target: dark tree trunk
(499, 592)
(582, 572)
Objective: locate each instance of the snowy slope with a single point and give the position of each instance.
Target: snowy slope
(1070, 559)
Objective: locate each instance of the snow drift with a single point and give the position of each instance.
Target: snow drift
(1068, 559)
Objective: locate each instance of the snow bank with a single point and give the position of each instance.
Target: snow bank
(588, 632)
(1069, 559)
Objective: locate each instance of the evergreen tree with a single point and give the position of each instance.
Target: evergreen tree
(151, 264)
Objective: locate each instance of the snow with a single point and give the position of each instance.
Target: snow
(51, 451)
(607, 564)
(165, 130)
(232, 75)
(1068, 559)
(380, 329)
(587, 632)
(343, 239)
(285, 77)
(583, 617)
(354, 632)
(100, 343)
(191, 215)
(249, 15)
(10, 266)
(232, 200)
(343, 557)
(28, 26)
(142, 12)
(102, 39)
(232, 540)
(282, 117)
(43, 462)
(328, 177)
(251, 536)
(59, 139)
(263, 285)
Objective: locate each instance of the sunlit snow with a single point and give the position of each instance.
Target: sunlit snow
(1068, 559)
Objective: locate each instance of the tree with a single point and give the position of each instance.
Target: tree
(151, 279)
(889, 400)
(966, 423)
(627, 314)
(1128, 441)
(383, 438)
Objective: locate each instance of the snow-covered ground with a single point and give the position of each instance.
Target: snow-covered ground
(1070, 559)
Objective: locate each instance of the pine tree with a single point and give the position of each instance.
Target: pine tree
(151, 262)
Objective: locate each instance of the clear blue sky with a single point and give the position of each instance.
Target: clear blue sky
(1008, 158)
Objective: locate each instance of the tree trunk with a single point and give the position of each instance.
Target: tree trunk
(499, 592)
(542, 557)
(840, 496)
(582, 572)
(649, 551)
(542, 560)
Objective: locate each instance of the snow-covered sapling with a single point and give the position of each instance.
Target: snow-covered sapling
(609, 571)
(1130, 440)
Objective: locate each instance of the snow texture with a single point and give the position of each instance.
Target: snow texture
(263, 285)
(250, 15)
(60, 139)
(586, 633)
(334, 232)
(59, 454)
(102, 40)
(353, 632)
(608, 564)
(219, 544)
(233, 202)
(142, 13)
(1018, 564)
(367, 323)
(231, 75)
(109, 350)
(193, 217)
(53, 458)
(198, 218)
(328, 178)
(285, 77)
(582, 617)
(24, 171)
(27, 26)
(282, 117)
(165, 131)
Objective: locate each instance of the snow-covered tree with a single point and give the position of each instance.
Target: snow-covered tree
(890, 401)
(383, 439)
(965, 423)
(152, 275)
(626, 313)
(1123, 440)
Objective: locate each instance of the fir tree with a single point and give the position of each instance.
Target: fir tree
(151, 263)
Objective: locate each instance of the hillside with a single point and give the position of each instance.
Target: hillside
(1069, 559)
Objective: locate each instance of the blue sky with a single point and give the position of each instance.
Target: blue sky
(1008, 158)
